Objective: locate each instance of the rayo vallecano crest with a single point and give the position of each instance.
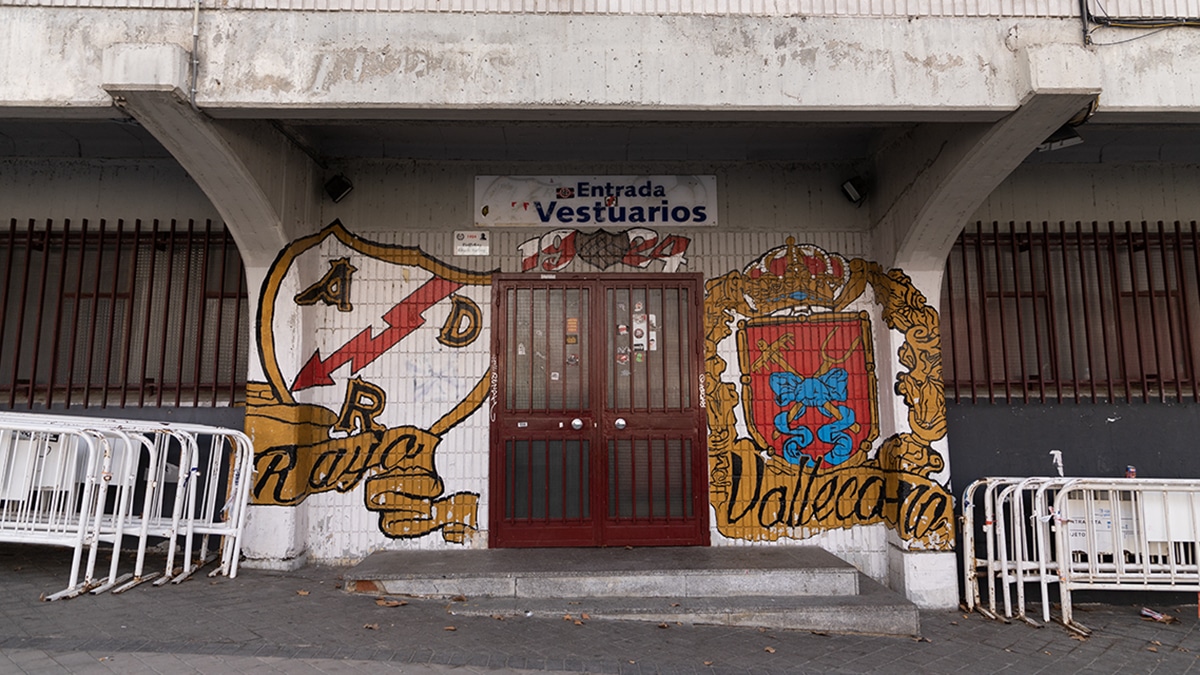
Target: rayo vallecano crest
(386, 369)
(794, 427)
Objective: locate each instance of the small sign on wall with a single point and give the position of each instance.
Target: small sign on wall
(470, 242)
(595, 201)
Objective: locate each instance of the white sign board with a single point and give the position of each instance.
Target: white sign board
(471, 242)
(595, 201)
(1101, 528)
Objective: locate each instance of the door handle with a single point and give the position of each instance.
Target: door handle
(619, 423)
(577, 424)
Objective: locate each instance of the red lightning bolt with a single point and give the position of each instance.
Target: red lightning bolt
(364, 348)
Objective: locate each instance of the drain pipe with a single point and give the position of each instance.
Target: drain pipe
(195, 54)
(1084, 16)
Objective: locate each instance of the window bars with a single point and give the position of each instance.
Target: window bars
(1035, 312)
(77, 482)
(1079, 533)
(124, 314)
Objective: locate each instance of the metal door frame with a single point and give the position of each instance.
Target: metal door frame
(695, 531)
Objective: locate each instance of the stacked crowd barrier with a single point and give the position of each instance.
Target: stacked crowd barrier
(1079, 534)
(80, 482)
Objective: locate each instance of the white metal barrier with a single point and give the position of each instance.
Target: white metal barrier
(1020, 550)
(1126, 534)
(1009, 554)
(48, 478)
(77, 482)
(1081, 533)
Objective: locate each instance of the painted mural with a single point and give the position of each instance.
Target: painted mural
(792, 431)
(393, 363)
(368, 407)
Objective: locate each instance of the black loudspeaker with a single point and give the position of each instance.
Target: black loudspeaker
(338, 187)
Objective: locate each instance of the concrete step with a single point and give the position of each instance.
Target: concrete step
(802, 588)
(876, 610)
(607, 572)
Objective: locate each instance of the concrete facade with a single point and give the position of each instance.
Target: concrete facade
(251, 111)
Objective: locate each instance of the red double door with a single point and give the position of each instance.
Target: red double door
(597, 425)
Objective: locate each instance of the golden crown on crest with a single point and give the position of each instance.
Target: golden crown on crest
(795, 274)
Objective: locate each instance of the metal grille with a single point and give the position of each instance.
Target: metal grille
(650, 373)
(649, 478)
(141, 314)
(537, 335)
(1061, 311)
(805, 8)
(547, 479)
(1117, 12)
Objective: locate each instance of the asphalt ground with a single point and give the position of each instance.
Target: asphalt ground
(303, 622)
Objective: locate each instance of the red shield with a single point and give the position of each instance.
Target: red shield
(808, 386)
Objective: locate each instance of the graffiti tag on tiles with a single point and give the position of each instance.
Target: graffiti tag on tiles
(386, 313)
(638, 247)
(804, 455)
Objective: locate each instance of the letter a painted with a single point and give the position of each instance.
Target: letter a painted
(333, 288)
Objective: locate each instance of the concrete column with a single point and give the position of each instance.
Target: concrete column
(276, 537)
(928, 180)
(265, 189)
(927, 578)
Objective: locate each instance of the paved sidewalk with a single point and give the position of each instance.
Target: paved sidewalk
(302, 622)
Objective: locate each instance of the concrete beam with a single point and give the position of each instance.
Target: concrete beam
(929, 180)
(368, 65)
(260, 183)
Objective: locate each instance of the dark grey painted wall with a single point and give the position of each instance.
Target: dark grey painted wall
(228, 417)
(1161, 439)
